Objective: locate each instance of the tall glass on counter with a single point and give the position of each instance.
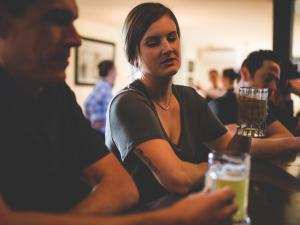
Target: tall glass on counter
(233, 171)
(252, 111)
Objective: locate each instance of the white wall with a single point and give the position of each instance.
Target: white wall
(195, 42)
(105, 33)
(296, 30)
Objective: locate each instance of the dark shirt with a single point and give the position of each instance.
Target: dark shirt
(45, 143)
(226, 109)
(285, 116)
(132, 120)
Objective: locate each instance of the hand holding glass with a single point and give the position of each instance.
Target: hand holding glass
(232, 171)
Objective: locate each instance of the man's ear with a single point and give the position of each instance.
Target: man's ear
(5, 23)
(245, 75)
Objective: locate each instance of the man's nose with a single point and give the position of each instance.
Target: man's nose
(72, 37)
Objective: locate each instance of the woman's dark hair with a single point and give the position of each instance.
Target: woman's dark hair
(104, 67)
(230, 74)
(16, 7)
(137, 23)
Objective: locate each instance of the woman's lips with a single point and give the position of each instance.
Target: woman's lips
(168, 60)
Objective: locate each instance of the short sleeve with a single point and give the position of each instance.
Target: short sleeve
(214, 106)
(89, 142)
(225, 108)
(213, 126)
(131, 121)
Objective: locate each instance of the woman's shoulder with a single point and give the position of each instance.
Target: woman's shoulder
(130, 94)
(188, 93)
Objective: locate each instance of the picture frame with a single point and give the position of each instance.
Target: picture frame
(88, 56)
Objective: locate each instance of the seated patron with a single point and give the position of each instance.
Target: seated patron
(158, 129)
(228, 78)
(281, 104)
(97, 103)
(214, 91)
(261, 69)
(54, 168)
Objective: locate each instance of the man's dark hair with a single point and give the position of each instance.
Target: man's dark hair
(137, 23)
(255, 60)
(230, 74)
(104, 67)
(16, 7)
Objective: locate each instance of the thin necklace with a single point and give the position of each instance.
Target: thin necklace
(165, 108)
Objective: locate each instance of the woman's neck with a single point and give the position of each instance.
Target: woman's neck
(158, 89)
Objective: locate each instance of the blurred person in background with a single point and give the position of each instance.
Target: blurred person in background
(215, 91)
(228, 78)
(97, 103)
(260, 69)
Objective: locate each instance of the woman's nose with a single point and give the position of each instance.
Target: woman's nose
(166, 47)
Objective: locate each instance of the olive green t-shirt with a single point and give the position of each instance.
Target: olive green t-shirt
(132, 120)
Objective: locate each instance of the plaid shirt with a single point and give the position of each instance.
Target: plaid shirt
(97, 103)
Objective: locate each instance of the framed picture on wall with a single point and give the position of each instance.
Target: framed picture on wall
(87, 58)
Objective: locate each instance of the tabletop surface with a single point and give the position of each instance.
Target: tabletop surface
(274, 192)
(274, 196)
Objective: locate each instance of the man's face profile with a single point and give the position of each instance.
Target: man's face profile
(38, 43)
(267, 76)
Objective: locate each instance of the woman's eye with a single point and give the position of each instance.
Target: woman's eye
(152, 43)
(172, 38)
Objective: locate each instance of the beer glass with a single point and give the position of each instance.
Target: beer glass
(232, 171)
(252, 111)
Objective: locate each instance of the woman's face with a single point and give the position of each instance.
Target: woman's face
(159, 49)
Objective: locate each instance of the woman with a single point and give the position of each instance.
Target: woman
(158, 129)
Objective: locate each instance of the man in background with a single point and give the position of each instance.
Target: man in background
(281, 104)
(97, 103)
(214, 91)
(260, 69)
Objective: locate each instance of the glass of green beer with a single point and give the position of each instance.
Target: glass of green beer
(232, 171)
(252, 115)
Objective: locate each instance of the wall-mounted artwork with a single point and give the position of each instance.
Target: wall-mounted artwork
(87, 58)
